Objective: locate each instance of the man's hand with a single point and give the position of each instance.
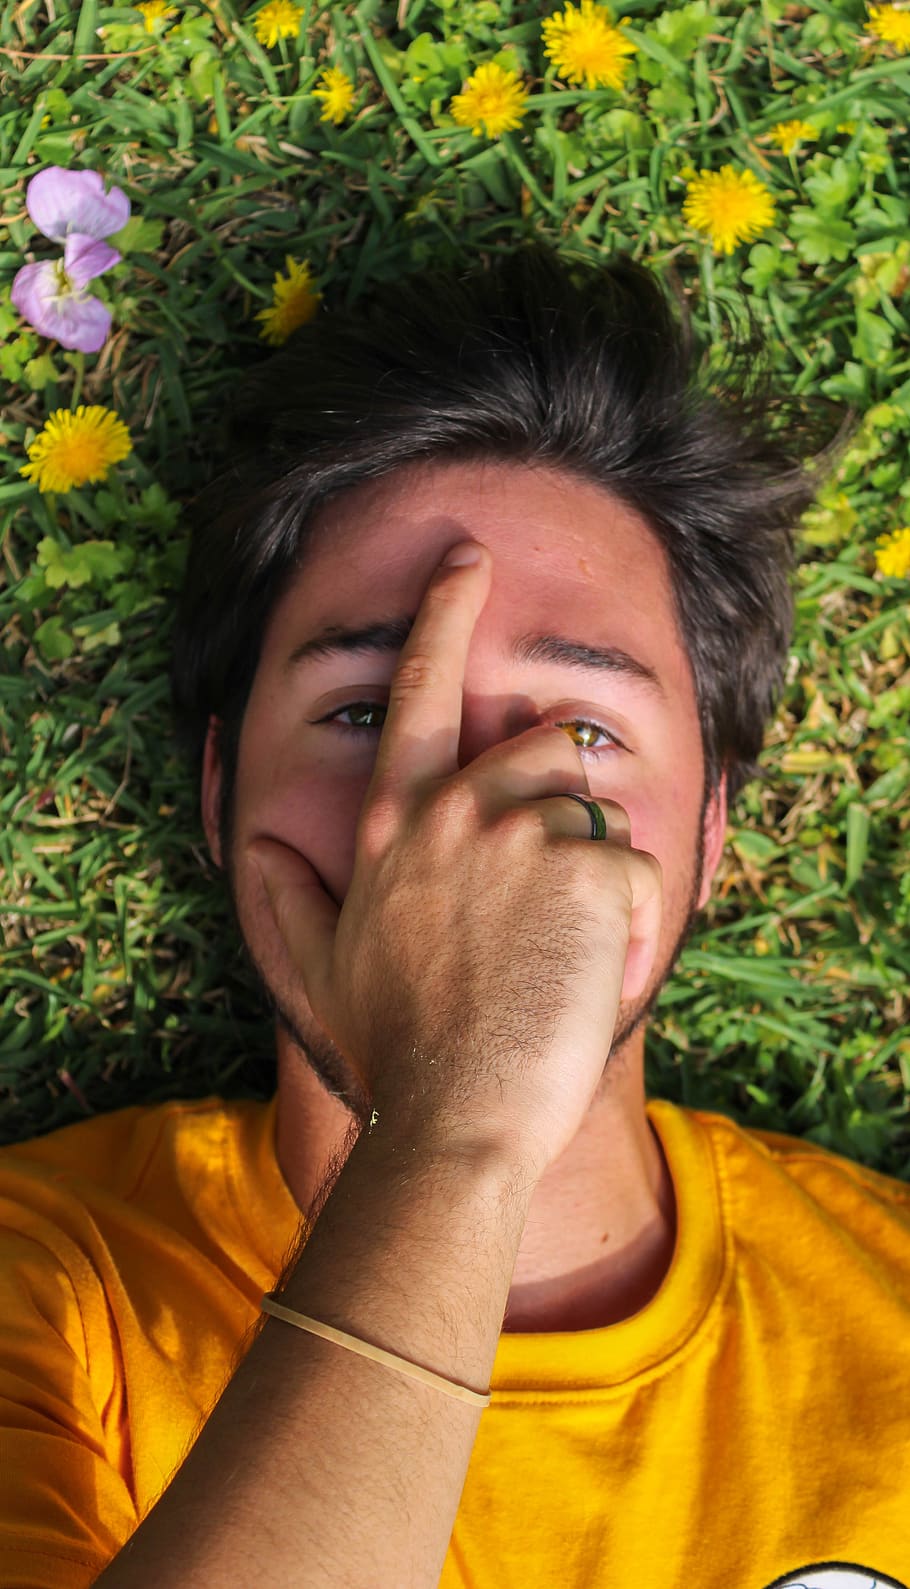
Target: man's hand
(473, 974)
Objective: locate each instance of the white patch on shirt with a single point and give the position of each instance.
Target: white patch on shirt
(836, 1575)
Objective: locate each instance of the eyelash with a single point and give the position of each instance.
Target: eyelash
(330, 720)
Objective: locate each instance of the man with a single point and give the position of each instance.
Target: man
(479, 637)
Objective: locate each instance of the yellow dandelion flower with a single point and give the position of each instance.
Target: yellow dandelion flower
(892, 25)
(585, 47)
(280, 19)
(893, 553)
(492, 100)
(731, 206)
(294, 301)
(74, 448)
(787, 134)
(337, 94)
(155, 11)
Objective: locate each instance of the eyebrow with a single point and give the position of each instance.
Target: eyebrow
(390, 635)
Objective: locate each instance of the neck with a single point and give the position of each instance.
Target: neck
(601, 1225)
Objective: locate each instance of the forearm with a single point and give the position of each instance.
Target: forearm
(319, 1467)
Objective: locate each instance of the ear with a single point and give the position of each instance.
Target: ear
(714, 833)
(211, 788)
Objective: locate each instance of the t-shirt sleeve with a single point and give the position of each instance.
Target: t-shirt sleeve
(65, 1502)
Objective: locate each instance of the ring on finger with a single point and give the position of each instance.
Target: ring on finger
(598, 824)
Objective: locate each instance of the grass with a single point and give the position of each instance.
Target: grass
(121, 979)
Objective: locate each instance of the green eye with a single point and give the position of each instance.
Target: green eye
(367, 716)
(362, 714)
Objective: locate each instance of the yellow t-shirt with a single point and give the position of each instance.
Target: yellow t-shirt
(749, 1427)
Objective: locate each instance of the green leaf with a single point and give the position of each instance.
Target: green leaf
(393, 60)
(59, 567)
(829, 523)
(851, 384)
(891, 788)
(492, 170)
(130, 596)
(14, 356)
(756, 847)
(621, 125)
(423, 55)
(190, 35)
(832, 186)
(204, 69)
(874, 338)
(93, 636)
(818, 238)
(119, 37)
(858, 821)
(886, 477)
(10, 319)
(57, 104)
(828, 34)
(138, 236)
(682, 28)
(426, 93)
(768, 263)
(39, 371)
(53, 640)
(91, 561)
(890, 707)
(32, 591)
(54, 147)
(155, 509)
(671, 101)
(654, 61)
(108, 508)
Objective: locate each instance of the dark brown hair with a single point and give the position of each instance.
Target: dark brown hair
(584, 366)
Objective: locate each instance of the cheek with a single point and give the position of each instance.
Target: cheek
(308, 805)
(664, 820)
(663, 808)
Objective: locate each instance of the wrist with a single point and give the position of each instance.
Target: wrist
(466, 1153)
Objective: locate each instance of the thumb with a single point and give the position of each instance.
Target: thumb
(644, 926)
(306, 915)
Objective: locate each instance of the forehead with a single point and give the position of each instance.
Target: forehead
(567, 557)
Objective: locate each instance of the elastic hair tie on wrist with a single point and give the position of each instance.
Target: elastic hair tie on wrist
(377, 1353)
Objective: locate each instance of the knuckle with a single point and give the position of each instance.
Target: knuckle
(379, 822)
(514, 823)
(453, 805)
(415, 673)
(650, 864)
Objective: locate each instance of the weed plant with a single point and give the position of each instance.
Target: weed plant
(269, 153)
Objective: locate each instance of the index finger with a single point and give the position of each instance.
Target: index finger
(419, 740)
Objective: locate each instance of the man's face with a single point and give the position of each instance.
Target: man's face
(569, 562)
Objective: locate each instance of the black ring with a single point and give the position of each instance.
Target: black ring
(598, 825)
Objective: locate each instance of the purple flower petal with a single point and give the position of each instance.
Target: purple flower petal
(84, 258)
(76, 319)
(33, 288)
(61, 201)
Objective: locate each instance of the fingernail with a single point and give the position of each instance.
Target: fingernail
(459, 556)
